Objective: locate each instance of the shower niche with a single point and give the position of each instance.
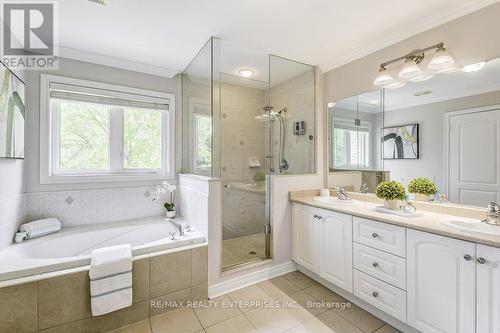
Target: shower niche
(242, 130)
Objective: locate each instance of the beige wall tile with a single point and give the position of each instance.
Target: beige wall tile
(178, 321)
(124, 317)
(199, 292)
(199, 271)
(18, 308)
(170, 273)
(63, 299)
(140, 280)
(169, 302)
(89, 325)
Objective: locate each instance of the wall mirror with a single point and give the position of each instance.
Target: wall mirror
(444, 127)
(12, 105)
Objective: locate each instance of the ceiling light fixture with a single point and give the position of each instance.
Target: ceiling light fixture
(246, 72)
(410, 69)
(441, 59)
(383, 77)
(473, 67)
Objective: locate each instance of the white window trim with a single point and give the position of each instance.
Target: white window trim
(47, 176)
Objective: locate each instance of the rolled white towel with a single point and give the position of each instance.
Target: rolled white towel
(41, 227)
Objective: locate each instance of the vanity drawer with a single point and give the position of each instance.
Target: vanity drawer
(381, 295)
(382, 236)
(384, 266)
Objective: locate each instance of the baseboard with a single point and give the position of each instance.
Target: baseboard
(242, 280)
(403, 327)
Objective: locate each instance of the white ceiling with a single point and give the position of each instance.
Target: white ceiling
(161, 37)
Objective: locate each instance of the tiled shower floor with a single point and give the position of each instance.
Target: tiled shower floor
(242, 249)
(274, 306)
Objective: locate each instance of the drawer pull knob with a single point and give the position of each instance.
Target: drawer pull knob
(468, 257)
(374, 235)
(375, 265)
(481, 260)
(375, 294)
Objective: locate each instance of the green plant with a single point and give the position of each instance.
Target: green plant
(391, 190)
(422, 186)
(169, 206)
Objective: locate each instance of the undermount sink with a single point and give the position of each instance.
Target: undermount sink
(335, 201)
(472, 225)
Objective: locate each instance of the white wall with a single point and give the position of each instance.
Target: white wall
(12, 200)
(431, 135)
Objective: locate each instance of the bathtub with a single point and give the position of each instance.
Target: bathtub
(72, 247)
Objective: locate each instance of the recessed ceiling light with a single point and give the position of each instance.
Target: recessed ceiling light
(246, 72)
(473, 67)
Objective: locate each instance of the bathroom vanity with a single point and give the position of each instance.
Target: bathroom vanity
(422, 271)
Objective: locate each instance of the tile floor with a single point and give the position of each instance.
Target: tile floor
(275, 306)
(242, 249)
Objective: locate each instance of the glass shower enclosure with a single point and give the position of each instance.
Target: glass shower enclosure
(245, 131)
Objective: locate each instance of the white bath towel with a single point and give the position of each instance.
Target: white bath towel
(110, 279)
(41, 227)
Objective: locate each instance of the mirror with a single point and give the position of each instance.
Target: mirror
(12, 105)
(446, 129)
(355, 156)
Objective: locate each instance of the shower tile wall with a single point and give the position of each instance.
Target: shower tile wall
(242, 137)
(297, 95)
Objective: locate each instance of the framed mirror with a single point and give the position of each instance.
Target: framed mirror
(12, 115)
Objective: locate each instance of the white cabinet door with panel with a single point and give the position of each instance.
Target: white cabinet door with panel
(488, 289)
(335, 248)
(305, 242)
(441, 283)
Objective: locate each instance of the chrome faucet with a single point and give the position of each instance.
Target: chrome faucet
(178, 226)
(364, 188)
(493, 216)
(342, 194)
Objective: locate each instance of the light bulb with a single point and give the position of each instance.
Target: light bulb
(441, 59)
(409, 69)
(383, 77)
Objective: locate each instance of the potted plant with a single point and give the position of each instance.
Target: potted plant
(169, 205)
(392, 192)
(422, 188)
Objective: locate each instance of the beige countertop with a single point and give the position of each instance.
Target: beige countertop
(429, 221)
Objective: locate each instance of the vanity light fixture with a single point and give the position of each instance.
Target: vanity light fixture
(411, 68)
(383, 77)
(246, 72)
(473, 67)
(441, 59)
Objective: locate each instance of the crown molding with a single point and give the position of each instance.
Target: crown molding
(406, 30)
(121, 63)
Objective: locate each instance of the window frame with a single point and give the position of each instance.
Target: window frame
(198, 107)
(50, 174)
(347, 124)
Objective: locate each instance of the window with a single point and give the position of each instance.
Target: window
(203, 143)
(99, 132)
(351, 145)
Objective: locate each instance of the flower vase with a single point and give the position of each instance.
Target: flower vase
(391, 204)
(421, 197)
(170, 214)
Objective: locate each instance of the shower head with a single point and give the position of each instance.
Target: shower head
(268, 110)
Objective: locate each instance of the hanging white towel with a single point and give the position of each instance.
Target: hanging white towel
(110, 279)
(40, 227)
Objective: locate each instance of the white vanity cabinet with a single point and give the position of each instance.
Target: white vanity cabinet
(441, 286)
(488, 289)
(322, 243)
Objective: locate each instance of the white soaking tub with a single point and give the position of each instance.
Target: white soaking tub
(72, 246)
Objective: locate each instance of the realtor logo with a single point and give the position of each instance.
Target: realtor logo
(29, 35)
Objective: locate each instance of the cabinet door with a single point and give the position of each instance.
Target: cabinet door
(488, 289)
(441, 283)
(335, 248)
(304, 237)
